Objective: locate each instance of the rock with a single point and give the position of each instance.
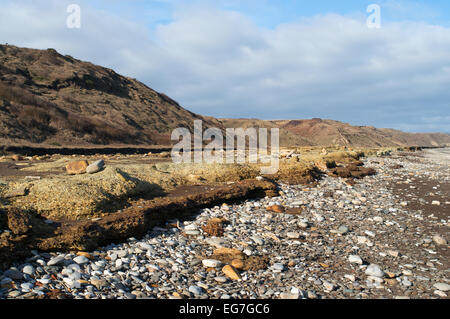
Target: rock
(163, 154)
(99, 283)
(375, 279)
(28, 269)
(421, 278)
(302, 224)
(390, 274)
(27, 286)
(237, 263)
(442, 286)
(231, 272)
(406, 283)
(436, 203)
(16, 157)
(122, 253)
(195, 290)
(139, 294)
(393, 253)
(355, 259)
(145, 246)
(113, 256)
(439, 240)
(328, 286)
(203, 285)
(14, 294)
(257, 240)
(33, 177)
(13, 274)
(319, 218)
(369, 233)
(81, 260)
(191, 227)
(296, 291)
(221, 279)
(215, 242)
(407, 272)
(211, 263)
(391, 282)
(311, 295)
(228, 251)
(278, 267)
(44, 281)
(276, 209)
(378, 219)
(20, 191)
(85, 254)
(95, 167)
(293, 235)
(76, 167)
(343, 230)
(7, 283)
(375, 271)
(364, 240)
(287, 295)
(350, 277)
(176, 295)
(55, 261)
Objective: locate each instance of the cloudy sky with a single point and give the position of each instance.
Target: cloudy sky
(286, 59)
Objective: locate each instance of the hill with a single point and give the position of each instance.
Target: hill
(49, 98)
(319, 132)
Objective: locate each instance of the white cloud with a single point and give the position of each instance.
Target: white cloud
(219, 63)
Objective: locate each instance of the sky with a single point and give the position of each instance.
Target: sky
(267, 59)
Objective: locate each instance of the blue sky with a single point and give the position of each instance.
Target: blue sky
(287, 59)
(270, 13)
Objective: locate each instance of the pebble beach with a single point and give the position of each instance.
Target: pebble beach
(385, 236)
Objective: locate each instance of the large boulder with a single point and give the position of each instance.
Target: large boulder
(77, 167)
(95, 167)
